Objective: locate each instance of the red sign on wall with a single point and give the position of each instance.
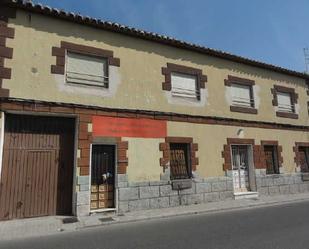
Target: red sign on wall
(128, 127)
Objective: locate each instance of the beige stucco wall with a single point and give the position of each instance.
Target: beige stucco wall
(139, 77)
(144, 155)
(144, 159)
(211, 139)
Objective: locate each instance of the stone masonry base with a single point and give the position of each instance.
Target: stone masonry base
(134, 196)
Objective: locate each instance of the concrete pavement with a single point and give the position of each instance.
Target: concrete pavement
(37, 227)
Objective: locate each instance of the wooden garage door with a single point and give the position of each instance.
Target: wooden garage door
(37, 169)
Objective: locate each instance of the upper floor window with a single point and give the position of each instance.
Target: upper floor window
(285, 103)
(241, 94)
(285, 100)
(86, 70)
(182, 81)
(83, 65)
(184, 85)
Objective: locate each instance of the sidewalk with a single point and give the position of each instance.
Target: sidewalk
(43, 226)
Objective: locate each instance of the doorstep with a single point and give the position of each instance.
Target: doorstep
(246, 195)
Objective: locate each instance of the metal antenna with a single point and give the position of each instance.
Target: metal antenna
(306, 54)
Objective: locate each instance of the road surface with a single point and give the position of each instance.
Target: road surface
(284, 226)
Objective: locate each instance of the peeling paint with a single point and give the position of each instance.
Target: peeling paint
(114, 82)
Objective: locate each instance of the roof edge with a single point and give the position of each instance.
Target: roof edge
(150, 36)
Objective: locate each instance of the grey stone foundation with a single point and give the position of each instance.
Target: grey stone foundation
(281, 183)
(133, 196)
(83, 196)
(159, 194)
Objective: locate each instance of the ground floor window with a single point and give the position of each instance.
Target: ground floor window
(271, 159)
(304, 158)
(180, 163)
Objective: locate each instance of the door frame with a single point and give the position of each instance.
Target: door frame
(251, 169)
(100, 210)
(47, 114)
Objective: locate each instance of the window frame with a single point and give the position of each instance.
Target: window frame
(187, 162)
(167, 71)
(294, 97)
(61, 56)
(105, 84)
(278, 155)
(244, 82)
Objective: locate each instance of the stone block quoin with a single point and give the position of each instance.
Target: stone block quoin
(6, 53)
(167, 71)
(165, 148)
(60, 52)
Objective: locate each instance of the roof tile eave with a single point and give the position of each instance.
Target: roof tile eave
(116, 27)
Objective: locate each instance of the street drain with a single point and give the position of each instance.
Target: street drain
(106, 219)
(69, 220)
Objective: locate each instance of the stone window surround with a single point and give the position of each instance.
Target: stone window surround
(165, 148)
(279, 151)
(294, 98)
(60, 54)
(170, 68)
(245, 82)
(226, 153)
(296, 151)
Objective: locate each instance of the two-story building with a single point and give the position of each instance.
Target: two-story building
(96, 116)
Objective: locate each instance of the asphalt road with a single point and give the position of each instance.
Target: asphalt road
(284, 227)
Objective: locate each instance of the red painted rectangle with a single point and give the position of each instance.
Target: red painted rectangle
(128, 127)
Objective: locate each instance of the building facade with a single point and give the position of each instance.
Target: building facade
(96, 116)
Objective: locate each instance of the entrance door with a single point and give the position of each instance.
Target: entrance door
(102, 176)
(240, 164)
(37, 167)
(272, 166)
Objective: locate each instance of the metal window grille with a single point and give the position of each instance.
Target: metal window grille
(180, 163)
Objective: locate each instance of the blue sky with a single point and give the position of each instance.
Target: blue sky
(273, 31)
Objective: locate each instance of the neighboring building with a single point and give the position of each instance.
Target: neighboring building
(98, 116)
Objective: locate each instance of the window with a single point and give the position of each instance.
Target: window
(86, 70)
(304, 158)
(242, 95)
(183, 82)
(184, 85)
(241, 92)
(271, 159)
(285, 103)
(285, 99)
(180, 163)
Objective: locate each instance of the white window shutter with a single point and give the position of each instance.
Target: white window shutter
(241, 95)
(84, 69)
(284, 102)
(184, 85)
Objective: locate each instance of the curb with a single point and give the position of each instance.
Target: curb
(188, 213)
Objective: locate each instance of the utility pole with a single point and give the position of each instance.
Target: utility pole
(306, 54)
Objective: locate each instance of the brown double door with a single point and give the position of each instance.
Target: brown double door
(102, 176)
(37, 168)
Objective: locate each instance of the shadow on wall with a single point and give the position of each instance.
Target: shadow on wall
(69, 29)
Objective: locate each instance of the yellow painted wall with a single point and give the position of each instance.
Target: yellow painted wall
(211, 139)
(144, 159)
(139, 75)
(144, 154)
